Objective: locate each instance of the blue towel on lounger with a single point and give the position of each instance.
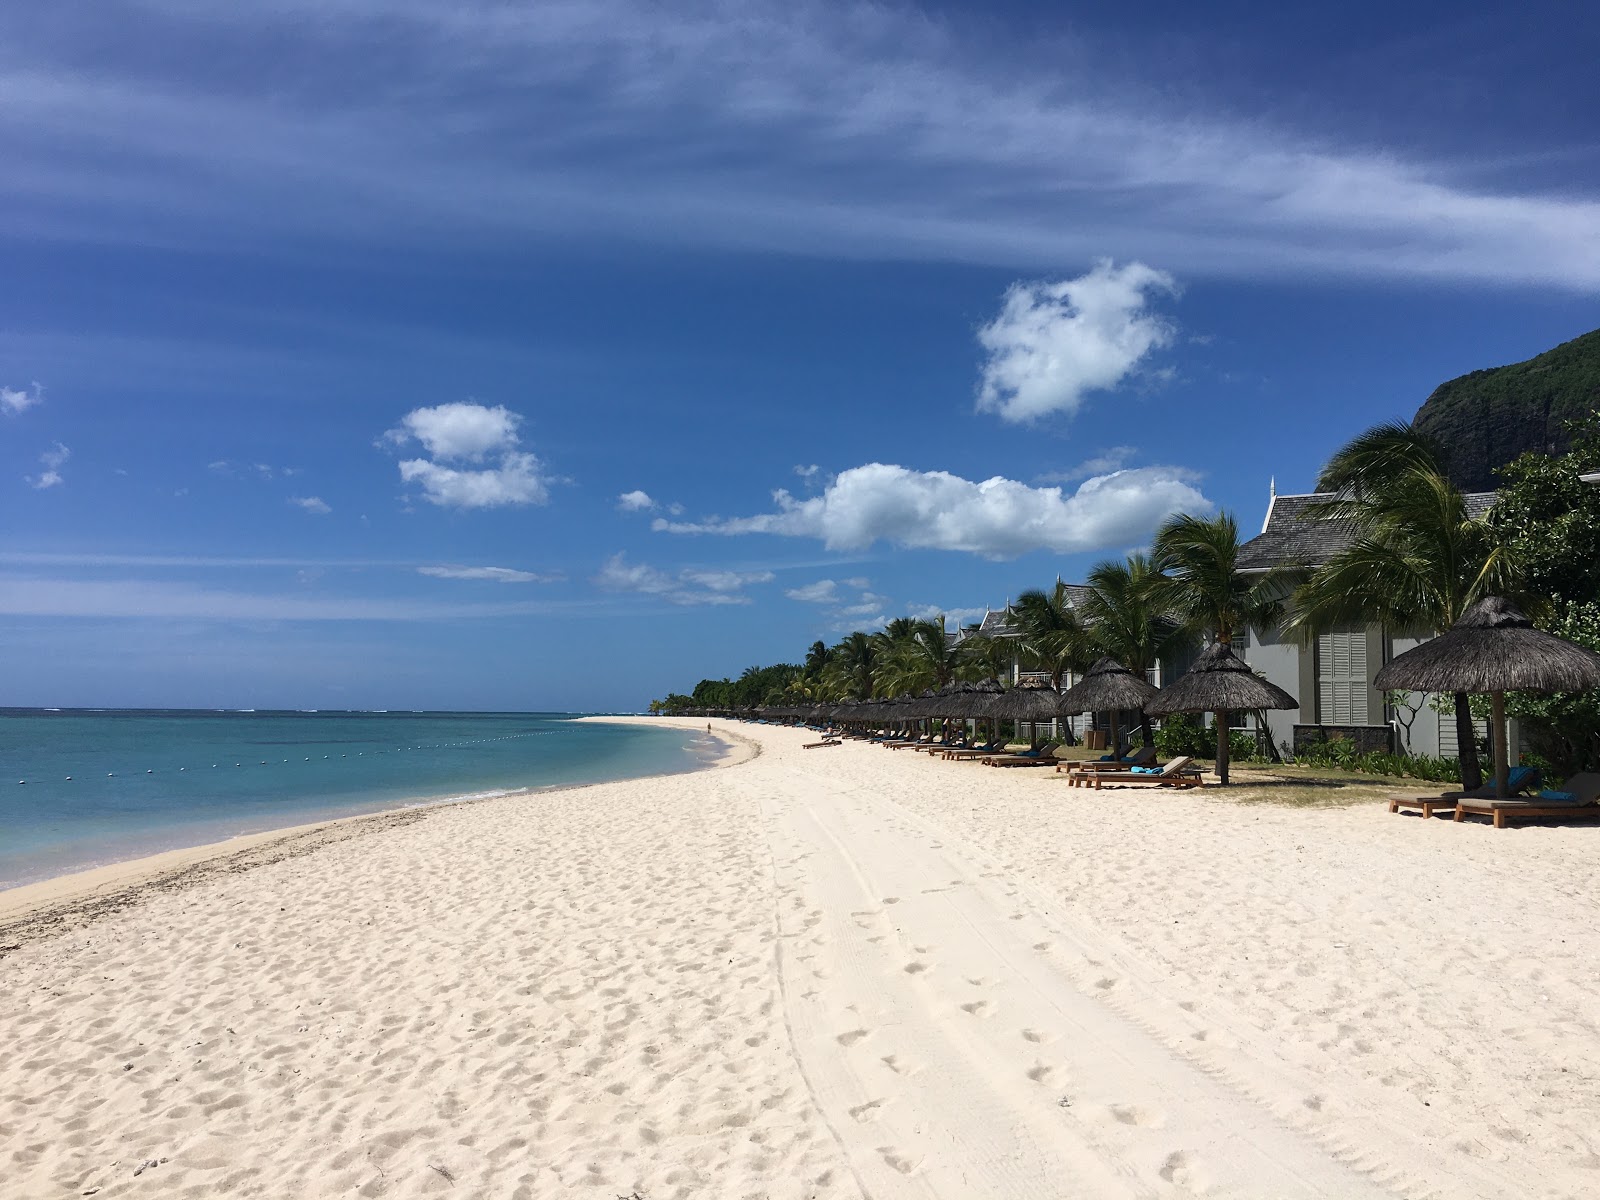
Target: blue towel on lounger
(1558, 797)
(1146, 770)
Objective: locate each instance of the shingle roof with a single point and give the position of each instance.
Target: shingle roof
(997, 624)
(1293, 537)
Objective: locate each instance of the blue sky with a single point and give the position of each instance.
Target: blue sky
(501, 355)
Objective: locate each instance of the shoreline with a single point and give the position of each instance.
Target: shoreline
(46, 907)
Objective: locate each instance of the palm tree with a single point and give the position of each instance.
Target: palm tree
(1205, 592)
(817, 658)
(1054, 637)
(1418, 560)
(921, 658)
(1127, 621)
(850, 669)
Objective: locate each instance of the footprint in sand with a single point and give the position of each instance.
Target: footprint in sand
(1177, 1169)
(851, 1037)
(978, 1008)
(1041, 946)
(1040, 1073)
(1132, 1114)
(1106, 984)
(867, 1111)
(1039, 1037)
(891, 899)
(900, 1162)
(900, 1066)
(915, 968)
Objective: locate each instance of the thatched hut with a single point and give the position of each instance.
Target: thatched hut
(1108, 687)
(1494, 649)
(1219, 682)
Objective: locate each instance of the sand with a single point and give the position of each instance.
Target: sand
(825, 973)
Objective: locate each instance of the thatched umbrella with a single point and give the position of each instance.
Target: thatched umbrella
(1219, 682)
(1494, 648)
(1026, 704)
(1108, 686)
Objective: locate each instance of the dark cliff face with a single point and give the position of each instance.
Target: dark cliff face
(1487, 418)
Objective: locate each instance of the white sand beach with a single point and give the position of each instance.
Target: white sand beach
(817, 973)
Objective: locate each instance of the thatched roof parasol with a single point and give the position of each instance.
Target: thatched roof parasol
(1219, 681)
(963, 699)
(1030, 704)
(1108, 686)
(1494, 648)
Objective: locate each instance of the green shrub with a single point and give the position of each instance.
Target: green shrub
(1341, 753)
(1182, 733)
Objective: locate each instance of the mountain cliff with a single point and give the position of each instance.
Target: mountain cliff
(1487, 418)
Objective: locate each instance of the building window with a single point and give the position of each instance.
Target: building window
(1342, 678)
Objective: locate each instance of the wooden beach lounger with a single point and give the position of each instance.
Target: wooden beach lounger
(818, 745)
(961, 754)
(1144, 756)
(1577, 801)
(1518, 779)
(1046, 757)
(1180, 772)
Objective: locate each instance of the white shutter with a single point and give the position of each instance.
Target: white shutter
(1342, 678)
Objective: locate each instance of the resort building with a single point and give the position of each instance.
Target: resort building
(1332, 677)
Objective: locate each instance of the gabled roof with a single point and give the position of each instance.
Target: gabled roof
(997, 624)
(1293, 537)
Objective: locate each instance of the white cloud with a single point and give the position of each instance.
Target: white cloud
(1113, 458)
(635, 502)
(14, 402)
(1053, 343)
(490, 574)
(52, 460)
(997, 518)
(460, 436)
(458, 431)
(311, 504)
(517, 480)
(823, 591)
(687, 587)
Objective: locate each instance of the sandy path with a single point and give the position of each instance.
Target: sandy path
(952, 1056)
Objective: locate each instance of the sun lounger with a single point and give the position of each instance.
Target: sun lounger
(1180, 772)
(1518, 779)
(1144, 756)
(1577, 800)
(819, 745)
(1044, 757)
(961, 753)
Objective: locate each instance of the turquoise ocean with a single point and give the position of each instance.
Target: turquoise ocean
(84, 788)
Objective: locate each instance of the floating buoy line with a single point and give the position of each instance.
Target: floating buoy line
(359, 754)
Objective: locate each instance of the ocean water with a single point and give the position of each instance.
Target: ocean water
(145, 781)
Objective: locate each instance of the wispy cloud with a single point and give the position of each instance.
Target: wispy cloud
(315, 505)
(690, 586)
(490, 574)
(15, 401)
(934, 149)
(52, 460)
(147, 599)
(997, 518)
(1112, 458)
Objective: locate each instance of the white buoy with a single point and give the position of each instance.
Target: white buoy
(69, 778)
(148, 771)
(21, 781)
(111, 774)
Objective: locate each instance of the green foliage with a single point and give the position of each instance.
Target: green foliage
(1182, 733)
(1563, 730)
(1341, 753)
(1550, 518)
